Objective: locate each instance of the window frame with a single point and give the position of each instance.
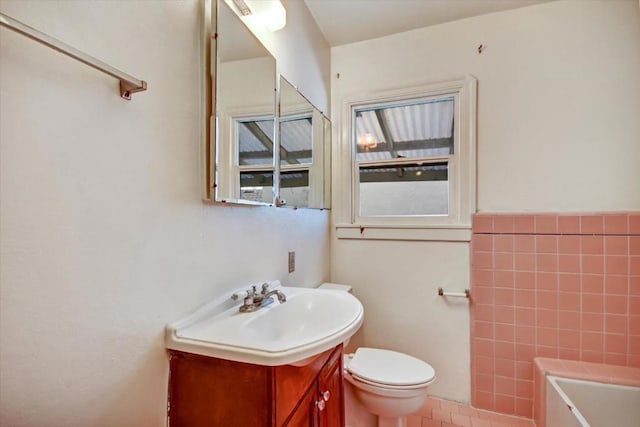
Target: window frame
(456, 224)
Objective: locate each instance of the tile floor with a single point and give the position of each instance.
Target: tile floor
(445, 413)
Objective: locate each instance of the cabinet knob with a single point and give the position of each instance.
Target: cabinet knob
(326, 395)
(320, 404)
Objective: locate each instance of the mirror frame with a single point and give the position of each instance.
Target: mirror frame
(208, 25)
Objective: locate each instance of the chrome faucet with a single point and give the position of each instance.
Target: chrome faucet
(254, 300)
(266, 293)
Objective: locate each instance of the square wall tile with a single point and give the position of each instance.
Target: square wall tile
(546, 224)
(482, 243)
(568, 224)
(591, 224)
(482, 223)
(503, 243)
(592, 283)
(592, 245)
(569, 320)
(524, 243)
(616, 245)
(524, 224)
(569, 245)
(568, 282)
(503, 224)
(616, 224)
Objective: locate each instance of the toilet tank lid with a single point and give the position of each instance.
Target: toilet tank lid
(390, 367)
(335, 287)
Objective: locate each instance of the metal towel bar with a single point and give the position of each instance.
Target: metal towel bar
(128, 84)
(465, 294)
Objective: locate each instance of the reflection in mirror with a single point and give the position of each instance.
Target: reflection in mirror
(245, 113)
(303, 131)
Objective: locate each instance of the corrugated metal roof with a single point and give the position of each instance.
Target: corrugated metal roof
(415, 130)
(296, 134)
(249, 143)
(255, 162)
(420, 121)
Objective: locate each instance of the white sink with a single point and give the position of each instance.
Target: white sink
(308, 323)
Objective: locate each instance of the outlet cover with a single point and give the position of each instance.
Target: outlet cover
(292, 261)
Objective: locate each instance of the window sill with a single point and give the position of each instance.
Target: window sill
(449, 233)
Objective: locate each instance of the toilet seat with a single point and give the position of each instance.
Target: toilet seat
(357, 379)
(389, 369)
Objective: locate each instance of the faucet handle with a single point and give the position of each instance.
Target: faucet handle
(238, 295)
(265, 287)
(249, 293)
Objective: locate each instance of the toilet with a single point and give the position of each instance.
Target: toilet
(388, 384)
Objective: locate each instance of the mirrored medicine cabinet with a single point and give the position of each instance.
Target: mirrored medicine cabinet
(264, 143)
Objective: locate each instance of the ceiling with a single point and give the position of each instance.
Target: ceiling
(347, 21)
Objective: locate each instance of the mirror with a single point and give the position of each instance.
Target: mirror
(245, 89)
(243, 160)
(304, 135)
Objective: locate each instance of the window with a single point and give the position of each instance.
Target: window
(403, 151)
(413, 157)
(296, 158)
(255, 159)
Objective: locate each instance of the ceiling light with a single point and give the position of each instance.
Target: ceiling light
(367, 140)
(270, 13)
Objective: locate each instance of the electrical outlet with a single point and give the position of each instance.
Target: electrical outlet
(292, 261)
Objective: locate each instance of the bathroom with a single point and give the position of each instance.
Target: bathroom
(101, 197)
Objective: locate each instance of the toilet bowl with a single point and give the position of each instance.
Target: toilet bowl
(387, 383)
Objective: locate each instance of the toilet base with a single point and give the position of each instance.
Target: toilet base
(392, 422)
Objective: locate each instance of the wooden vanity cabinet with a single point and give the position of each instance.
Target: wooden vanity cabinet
(205, 391)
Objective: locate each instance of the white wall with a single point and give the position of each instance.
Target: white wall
(558, 130)
(103, 237)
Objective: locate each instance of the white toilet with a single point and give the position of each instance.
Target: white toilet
(387, 383)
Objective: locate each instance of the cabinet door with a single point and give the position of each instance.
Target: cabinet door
(293, 382)
(330, 390)
(305, 413)
(206, 392)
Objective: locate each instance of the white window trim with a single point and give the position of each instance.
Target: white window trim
(456, 226)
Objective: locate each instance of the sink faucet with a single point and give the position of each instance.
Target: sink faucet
(254, 300)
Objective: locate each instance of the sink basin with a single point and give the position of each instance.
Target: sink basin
(308, 323)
